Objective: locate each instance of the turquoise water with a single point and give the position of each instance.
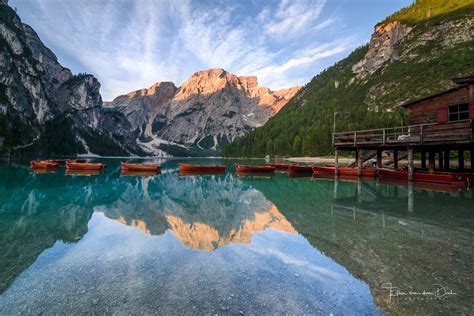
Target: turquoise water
(226, 244)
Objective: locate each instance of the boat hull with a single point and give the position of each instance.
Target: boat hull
(243, 168)
(368, 172)
(449, 178)
(139, 167)
(302, 169)
(44, 164)
(84, 166)
(202, 168)
(279, 166)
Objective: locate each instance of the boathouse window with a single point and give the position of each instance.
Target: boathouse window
(458, 112)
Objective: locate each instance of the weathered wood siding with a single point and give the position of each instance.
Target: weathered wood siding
(435, 109)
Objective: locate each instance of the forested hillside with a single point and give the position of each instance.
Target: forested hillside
(412, 54)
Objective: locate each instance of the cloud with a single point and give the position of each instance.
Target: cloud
(130, 45)
(292, 19)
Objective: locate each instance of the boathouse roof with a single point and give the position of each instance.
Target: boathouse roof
(461, 83)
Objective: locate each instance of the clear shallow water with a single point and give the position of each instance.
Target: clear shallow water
(224, 244)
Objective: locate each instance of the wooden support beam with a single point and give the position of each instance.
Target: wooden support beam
(395, 159)
(359, 162)
(461, 159)
(447, 154)
(423, 159)
(440, 160)
(431, 162)
(411, 167)
(379, 158)
(336, 162)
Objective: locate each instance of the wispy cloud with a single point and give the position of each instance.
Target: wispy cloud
(129, 45)
(292, 18)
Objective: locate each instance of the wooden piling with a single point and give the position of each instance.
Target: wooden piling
(423, 159)
(360, 155)
(336, 162)
(446, 156)
(395, 159)
(379, 159)
(411, 167)
(461, 159)
(440, 160)
(431, 162)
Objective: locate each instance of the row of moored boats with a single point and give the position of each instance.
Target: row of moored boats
(452, 178)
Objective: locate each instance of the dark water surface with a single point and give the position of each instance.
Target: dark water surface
(227, 244)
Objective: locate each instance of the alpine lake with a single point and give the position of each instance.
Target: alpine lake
(222, 244)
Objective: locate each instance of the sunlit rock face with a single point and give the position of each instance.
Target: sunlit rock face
(381, 47)
(201, 212)
(210, 109)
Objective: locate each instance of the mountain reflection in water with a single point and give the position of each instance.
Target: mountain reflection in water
(204, 213)
(220, 243)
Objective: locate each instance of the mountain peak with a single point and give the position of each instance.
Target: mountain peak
(213, 72)
(154, 89)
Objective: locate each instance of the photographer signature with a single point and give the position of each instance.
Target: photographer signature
(438, 291)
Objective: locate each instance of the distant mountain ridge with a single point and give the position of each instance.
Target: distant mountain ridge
(45, 110)
(210, 109)
(412, 54)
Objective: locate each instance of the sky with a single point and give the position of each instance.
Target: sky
(132, 44)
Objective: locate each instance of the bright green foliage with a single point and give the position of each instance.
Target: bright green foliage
(304, 126)
(426, 9)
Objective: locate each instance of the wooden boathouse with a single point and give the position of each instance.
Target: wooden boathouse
(438, 124)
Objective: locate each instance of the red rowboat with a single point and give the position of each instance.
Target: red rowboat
(353, 171)
(187, 167)
(345, 170)
(139, 167)
(79, 160)
(318, 170)
(43, 164)
(436, 177)
(61, 162)
(84, 166)
(299, 168)
(244, 168)
(279, 166)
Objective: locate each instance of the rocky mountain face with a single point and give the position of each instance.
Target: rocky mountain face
(412, 54)
(210, 109)
(44, 108)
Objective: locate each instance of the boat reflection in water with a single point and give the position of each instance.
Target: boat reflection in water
(134, 173)
(222, 243)
(406, 236)
(72, 172)
(154, 244)
(195, 173)
(254, 174)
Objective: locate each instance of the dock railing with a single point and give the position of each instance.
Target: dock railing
(433, 133)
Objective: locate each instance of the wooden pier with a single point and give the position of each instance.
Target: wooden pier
(439, 124)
